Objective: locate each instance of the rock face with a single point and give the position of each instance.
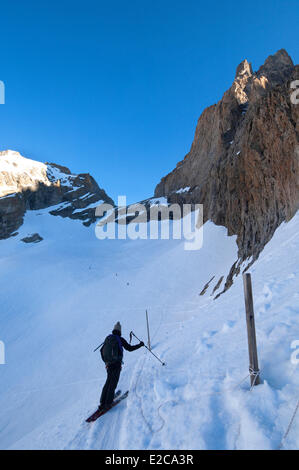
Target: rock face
(34, 238)
(243, 165)
(29, 185)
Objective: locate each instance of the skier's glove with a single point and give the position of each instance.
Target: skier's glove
(141, 343)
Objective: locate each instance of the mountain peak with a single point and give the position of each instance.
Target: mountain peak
(277, 67)
(8, 153)
(280, 56)
(244, 69)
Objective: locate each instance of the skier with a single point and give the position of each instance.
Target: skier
(112, 354)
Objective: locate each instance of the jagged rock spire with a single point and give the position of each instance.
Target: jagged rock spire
(244, 69)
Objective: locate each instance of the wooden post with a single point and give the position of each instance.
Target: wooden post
(253, 359)
(148, 333)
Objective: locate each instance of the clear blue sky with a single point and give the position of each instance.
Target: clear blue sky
(115, 87)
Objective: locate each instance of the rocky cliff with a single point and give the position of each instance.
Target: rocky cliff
(29, 185)
(243, 165)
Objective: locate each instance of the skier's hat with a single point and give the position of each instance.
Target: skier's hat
(117, 327)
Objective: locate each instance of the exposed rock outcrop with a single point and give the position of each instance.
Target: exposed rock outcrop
(34, 238)
(243, 165)
(29, 185)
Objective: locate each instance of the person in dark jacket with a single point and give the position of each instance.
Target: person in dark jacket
(113, 370)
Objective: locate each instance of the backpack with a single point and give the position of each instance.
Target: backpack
(112, 351)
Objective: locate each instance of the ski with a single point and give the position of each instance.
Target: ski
(99, 413)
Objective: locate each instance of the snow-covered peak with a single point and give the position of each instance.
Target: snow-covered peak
(30, 184)
(11, 160)
(18, 173)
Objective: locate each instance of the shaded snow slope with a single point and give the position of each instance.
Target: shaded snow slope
(60, 298)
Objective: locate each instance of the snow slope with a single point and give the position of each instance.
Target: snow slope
(61, 297)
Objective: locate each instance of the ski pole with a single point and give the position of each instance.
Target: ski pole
(97, 347)
(163, 363)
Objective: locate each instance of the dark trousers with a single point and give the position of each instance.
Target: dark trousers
(113, 373)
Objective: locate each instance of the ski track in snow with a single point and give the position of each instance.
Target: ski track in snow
(61, 297)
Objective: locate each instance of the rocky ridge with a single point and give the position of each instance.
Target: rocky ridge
(243, 165)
